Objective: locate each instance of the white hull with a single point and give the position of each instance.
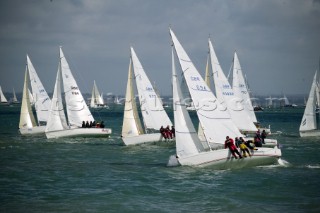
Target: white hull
(33, 130)
(80, 132)
(310, 133)
(145, 138)
(222, 159)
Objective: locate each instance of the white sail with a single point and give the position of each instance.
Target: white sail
(269, 102)
(27, 119)
(309, 117)
(2, 97)
(14, 99)
(31, 97)
(131, 122)
(57, 118)
(318, 94)
(207, 80)
(40, 97)
(101, 99)
(226, 96)
(77, 108)
(215, 120)
(240, 88)
(95, 96)
(187, 141)
(154, 115)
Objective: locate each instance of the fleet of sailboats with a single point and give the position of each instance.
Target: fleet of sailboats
(58, 124)
(153, 114)
(215, 120)
(226, 110)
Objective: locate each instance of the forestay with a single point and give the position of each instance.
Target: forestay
(216, 121)
(153, 113)
(77, 108)
(226, 96)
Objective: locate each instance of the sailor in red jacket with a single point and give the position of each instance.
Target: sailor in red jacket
(233, 149)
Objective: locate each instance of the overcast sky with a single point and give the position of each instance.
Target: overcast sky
(277, 41)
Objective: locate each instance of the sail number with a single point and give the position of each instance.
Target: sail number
(74, 92)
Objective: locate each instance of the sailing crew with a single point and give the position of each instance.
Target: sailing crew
(168, 132)
(173, 131)
(83, 124)
(243, 148)
(87, 124)
(263, 136)
(163, 132)
(233, 149)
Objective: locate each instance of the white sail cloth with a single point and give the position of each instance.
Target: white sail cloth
(309, 121)
(215, 120)
(154, 115)
(226, 96)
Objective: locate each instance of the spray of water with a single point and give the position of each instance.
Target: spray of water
(173, 161)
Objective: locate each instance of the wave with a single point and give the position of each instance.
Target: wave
(313, 166)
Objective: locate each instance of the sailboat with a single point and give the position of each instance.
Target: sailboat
(14, 99)
(3, 100)
(77, 110)
(308, 126)
(28, 124)
(242, 117)
(96, 99)
(117, 101)
(153, 114)
(286, 102)
(215, 121)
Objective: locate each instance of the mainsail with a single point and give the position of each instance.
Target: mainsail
(187, 141)
(226, 96)
(153, 113)
(77, 108)
(40, 97)
(240, 88)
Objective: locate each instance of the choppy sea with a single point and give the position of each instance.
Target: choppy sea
(102, 175)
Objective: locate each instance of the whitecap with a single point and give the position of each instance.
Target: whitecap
(313, 166)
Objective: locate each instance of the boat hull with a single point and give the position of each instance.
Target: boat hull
(145, 138)
(80, 132)
(310, 133)
(32, 131)
(222, 159)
